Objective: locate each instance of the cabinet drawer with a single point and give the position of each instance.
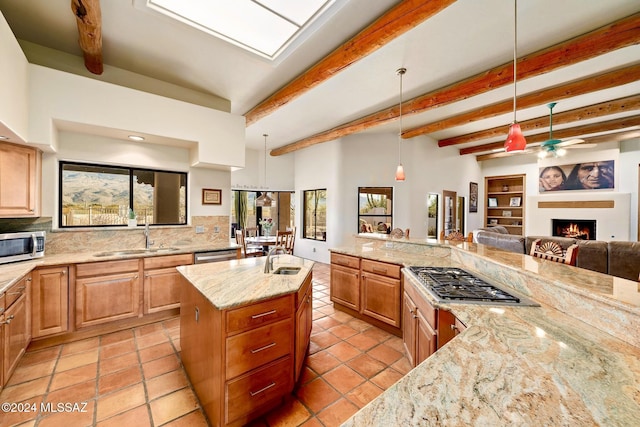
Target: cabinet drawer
(425, 309)
(257, 347)
(15, 291)
(167, 261)
(250, 392)
(382, 268)
(255, 315)
(301, 294)
(346, 260)
(2, 305)
(106, 267)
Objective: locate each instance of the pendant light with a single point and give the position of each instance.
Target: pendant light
(400, 169)
(515, 140)
(264, 200)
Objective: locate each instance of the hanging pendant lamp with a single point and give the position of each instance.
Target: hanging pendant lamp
(515, 139)
(264, 200)
(400, 169)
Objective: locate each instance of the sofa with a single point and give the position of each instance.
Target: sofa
(621, 259)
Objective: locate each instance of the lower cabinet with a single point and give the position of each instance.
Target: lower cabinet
(425, 329)
(372, 289)
(162, 282)
(242, 361)
(50, 301)
(16, 326)
(107, 291)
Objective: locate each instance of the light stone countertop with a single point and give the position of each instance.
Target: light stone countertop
(232, 283)
(12, 272)
(525, 366)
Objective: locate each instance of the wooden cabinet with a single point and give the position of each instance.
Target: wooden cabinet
(304, 323)
(50, 301)
(505, 202)
(345, 280)
(425, 328)
(241, 361)
(162, 282)
(107, 291)
(16, 325)
(19, 181)
(370, 288)
(381, 291)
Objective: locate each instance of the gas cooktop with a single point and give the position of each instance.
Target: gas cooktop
(451, 284)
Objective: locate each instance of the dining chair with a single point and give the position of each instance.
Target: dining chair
(285, 239)
(554, 252)
(457, 236)
(251, 232)
(248, 250)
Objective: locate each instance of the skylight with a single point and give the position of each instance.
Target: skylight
(265, 27)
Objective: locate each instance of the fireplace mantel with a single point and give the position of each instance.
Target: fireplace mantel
(611, 210)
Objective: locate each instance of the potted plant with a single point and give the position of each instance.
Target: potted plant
(133, 222)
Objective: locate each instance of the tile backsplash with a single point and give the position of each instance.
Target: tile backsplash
(215, 231)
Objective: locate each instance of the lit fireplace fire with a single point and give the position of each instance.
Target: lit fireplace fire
(575, 229)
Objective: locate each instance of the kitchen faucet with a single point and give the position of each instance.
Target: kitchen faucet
(147, 235)
(268, 264)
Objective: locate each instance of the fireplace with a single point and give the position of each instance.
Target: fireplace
(583, 229)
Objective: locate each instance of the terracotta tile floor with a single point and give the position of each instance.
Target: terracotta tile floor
(135, 377)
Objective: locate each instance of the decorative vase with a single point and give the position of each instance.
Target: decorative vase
(132, 222)
(266, 232)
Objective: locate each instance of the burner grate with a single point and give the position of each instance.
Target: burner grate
(455, 284)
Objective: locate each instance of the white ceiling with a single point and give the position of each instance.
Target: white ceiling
(468, 37)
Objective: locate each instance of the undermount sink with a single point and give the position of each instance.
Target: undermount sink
(135, 252)
(287, 270)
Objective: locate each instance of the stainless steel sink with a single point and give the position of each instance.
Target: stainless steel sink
(134, 252)
(287, 270)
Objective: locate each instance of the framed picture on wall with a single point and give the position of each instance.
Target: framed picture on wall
(473, 197)
(211, 197)
(493, 202)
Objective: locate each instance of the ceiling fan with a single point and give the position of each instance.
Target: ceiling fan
(555, 147)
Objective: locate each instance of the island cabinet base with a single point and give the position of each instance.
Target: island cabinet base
(240, 360)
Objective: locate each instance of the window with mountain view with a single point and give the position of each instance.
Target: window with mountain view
(100, 195)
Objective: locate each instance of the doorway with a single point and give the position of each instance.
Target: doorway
(449, 217)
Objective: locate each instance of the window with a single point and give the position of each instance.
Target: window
(98, 195)
(315, 215)
(375, 209)
(244, 212)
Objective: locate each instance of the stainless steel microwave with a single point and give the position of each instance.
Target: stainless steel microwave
(21, 246)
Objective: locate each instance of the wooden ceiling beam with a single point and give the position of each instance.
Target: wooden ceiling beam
(398, 20)
(602, 109)
(574, 132)
(619, 34)
(89, 21)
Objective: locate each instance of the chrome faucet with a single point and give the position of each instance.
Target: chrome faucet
(147, 235)
(268, 264)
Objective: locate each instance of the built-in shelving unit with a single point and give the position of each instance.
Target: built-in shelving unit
(505, 202)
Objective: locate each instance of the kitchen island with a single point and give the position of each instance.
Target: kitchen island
(244, 333)
(575, 360)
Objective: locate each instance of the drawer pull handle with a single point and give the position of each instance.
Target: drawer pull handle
(258, 350)
(9, 319)
(380, 270)
(254, 393)
(18, 291)
(257, 316)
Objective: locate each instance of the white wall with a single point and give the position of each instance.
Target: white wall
(97, 149)
(58, 96)
(280, 172)
(13, 86)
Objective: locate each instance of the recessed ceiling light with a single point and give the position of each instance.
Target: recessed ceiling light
(4, 137)
(136, 138)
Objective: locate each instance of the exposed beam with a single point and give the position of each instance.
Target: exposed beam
(610, 137)
(573, 132)
(89, 21)
(619, 34)
(395, 22)
(589, 112)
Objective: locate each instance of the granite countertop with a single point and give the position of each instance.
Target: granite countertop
(550, 365)
(238, 282)
(10, 273)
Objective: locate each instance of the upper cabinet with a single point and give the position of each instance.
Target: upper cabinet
(20, 171)
(505, 197)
